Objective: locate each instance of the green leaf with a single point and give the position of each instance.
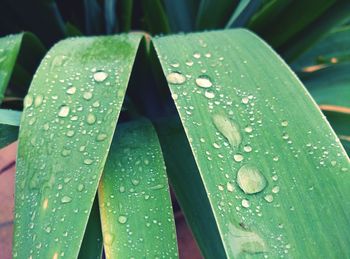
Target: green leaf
(8, 134)
(19, 56)
(124, 14)
(265, 166)
(243, 12)
(110, 16)
(212, 15)
(92, 245)
(334, 48)
(330, 85)
(9, 49)
(285, 25)
(66, 129)
(155, 17)
(134, 197)
(93, 17)
(334, 16)
(181, 14)
(10, 117)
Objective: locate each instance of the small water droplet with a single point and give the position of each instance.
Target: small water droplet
(87, 95)
(248, 129)
(189, 63)
(122, 219)
(269, 198)
(88, 161)
(90, 118)
(80, 187)
(71, 90)
(228, 128)
(176, 78)
(209, 94)
(204, 81)
(135, 182)
(284, 123)
(101, 137)
(63, 111)
(100, 76)
(245, 100)
(48, 229)
(230, 187)
(250, 179)
(245, 203)
(247, 148)
(66, 199)
(197, 55)
(238, 157)
(276, 189)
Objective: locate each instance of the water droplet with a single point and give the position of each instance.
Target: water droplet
(228, 128)
(28, 101)
(276, 189)
(189, 63)
(243, 241)
(176, 78)
(38, 100)
(88, 161)
(250, 179)
(284, 123)
(248, 129)
(87, 95)
(80, 187)
(100, 76)
(196, 55)
(135, 182)
(230, 187)
(122, 219)
(66, 199)
(247, 148)
(45, 203)
(204, 81)
(48, 229)
(90, 118)
(101, 137)
(71, 90)
(64, 111)
(209, 94)
(70, 133)
(245, 203)
(238, 157)
(245, 100)
(269, 198)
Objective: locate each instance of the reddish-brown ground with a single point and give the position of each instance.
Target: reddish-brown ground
(187, 245)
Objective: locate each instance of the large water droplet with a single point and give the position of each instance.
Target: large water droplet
(28, 101)
(243, 241)
(250, 179)
(64, 111)
(176, 78)
(100, 76)
(228, 128)
(204, 81)
(38, 100)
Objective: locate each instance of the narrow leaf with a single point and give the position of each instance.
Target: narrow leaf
(66, 129)
(264, 164)
(181, 14)
(8, 134)
(92, 245)
(136, 211)
(243, 12)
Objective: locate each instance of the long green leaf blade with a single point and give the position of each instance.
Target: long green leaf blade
(9, 49)
(136, 211)
(66, 130)
(264, 164)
